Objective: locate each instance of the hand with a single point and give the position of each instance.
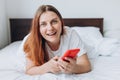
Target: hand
(69, 66)
(52, 65)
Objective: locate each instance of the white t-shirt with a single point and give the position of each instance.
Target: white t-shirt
(69, 40)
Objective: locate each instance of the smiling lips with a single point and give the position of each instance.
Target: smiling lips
(51, 34)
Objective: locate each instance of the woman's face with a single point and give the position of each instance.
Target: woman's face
(50, 27)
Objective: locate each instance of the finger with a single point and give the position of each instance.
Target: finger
(70, 59)
(57, 69)
(65, 67)
(64, 64)
(60, 61)
(56, 58)
(62, 69)
(75, 57)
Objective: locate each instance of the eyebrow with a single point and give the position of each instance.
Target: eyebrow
(50, 20)
(54, 18)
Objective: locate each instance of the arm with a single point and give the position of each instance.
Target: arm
(31, 69)
(50, 66)
(78, 66)
(82, 65)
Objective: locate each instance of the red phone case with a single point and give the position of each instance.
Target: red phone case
(70, 53)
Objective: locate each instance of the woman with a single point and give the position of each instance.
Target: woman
(47, 42)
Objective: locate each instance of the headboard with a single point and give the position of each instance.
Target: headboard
(19, 27)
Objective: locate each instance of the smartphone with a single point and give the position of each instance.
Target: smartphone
(71, 53)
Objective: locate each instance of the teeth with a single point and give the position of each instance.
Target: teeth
(50, 34)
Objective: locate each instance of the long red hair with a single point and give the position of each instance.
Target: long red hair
(34, 46)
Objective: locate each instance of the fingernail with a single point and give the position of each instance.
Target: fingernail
(66, 58)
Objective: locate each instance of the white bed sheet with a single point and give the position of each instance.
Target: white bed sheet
(104, 68)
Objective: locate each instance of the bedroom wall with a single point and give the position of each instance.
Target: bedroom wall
(3, 26)
(107, 9)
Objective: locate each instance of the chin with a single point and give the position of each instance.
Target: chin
(53, 41)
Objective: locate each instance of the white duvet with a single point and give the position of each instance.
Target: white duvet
(105, 67)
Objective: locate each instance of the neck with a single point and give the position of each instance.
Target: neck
(54, 46)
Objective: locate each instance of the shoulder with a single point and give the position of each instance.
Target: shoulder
(25, 38)
(70, 35)
(69, 31)
(23, 42)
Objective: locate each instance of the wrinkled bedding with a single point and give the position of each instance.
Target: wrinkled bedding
(105, 67)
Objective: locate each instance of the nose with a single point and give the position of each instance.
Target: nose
(49, 27)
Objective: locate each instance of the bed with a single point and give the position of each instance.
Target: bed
(104, 53)
(20, 27)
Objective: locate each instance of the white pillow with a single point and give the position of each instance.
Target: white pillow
(91, 36)
(108, 47)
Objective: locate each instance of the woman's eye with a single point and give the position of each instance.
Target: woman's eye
(43, 24)
(54, 22)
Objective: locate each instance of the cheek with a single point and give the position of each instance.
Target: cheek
(42, 31)
(60, 29)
